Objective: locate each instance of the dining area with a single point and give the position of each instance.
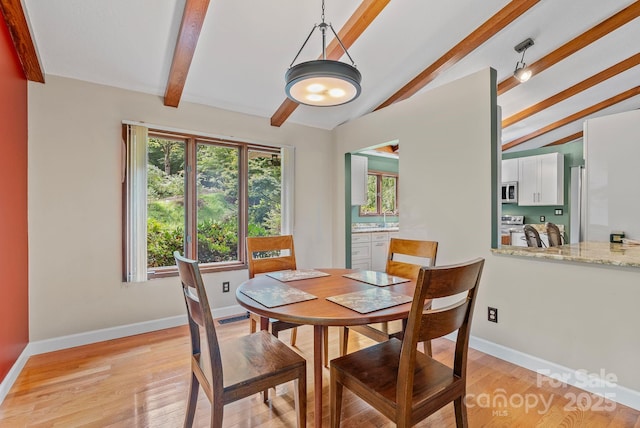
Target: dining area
(387, 360)
(345, 299)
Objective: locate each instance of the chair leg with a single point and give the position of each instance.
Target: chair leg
(336, 400)
(194, 387)
(344, 340)
(301, 398)
(461, 412)
(325, 347)
(294, 335)
(252, 323)
(384, 327)
(217, 412)
(265, 393)
(426, 345)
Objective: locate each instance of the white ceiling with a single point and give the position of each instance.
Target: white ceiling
(246, 47)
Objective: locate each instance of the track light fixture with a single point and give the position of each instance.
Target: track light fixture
(322, 82)
(522, 72)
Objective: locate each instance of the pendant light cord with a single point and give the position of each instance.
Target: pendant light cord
(323, 30)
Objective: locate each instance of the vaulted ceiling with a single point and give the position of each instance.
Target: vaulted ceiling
(233, 54)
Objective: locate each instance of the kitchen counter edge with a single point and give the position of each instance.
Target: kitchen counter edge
(603, 253)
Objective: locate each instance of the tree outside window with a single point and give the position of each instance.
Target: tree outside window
(205, 196)
(382, 194)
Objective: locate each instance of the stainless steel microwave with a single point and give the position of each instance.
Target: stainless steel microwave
(509, 192)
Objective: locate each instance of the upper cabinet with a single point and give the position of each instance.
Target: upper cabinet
(509, 170)
(359, 169)
(541, 179)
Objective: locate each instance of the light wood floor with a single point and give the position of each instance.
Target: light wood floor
(142, 381)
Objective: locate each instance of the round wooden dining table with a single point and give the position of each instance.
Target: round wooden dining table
(321, 312)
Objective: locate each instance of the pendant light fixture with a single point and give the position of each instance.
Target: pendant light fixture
(322, 82)
(522, 73)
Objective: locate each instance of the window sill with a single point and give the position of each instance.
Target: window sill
(166, 272)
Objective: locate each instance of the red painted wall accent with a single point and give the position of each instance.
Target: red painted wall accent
(14, 251)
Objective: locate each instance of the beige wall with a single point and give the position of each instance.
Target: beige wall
(575, 315)
(75, 203)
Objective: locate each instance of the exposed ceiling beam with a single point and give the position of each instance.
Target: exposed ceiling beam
(22, 41)
(480, 35)
(352, 29)
(192, 20)
(602, 29)
(576, 116)
(388, 149)
(573, 90)
(567, 139)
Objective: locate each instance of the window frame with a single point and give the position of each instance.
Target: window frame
(190, 248)
(379, 176)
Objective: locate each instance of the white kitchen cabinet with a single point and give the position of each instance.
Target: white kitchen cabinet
(361, 251)
(359, 170)
(361, 264)
(541, 180)
(369, 250)
(509, 170)
(379, 250)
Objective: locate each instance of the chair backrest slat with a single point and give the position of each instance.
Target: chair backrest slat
(194, 308)
(413, 248)
(440, 322)
(275, 260)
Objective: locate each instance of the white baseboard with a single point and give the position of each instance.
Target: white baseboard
(12, 375)
(593, 383)
(86, 338)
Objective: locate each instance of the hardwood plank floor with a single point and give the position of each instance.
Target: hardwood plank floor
(142, 381)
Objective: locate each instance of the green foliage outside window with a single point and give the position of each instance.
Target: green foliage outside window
(388, 199)
(217, 200)
(372, 196)
(381, 195)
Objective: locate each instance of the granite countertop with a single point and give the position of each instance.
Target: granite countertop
(374, 227)
(586, 252)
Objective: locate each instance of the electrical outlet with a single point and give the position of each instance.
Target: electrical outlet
(558, 211)
(542, 219)
(492, 314)
(225, 287)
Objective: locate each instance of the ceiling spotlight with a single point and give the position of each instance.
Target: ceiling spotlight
(522, 72)
(323, 82)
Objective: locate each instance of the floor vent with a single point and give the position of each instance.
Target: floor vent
(234, 319)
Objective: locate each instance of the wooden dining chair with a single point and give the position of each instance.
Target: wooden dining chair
(269, 254)
(234, 369)
(405, 258)
(410, 385)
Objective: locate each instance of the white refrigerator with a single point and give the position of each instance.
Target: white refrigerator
(612, 175)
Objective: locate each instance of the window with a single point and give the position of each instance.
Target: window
(382, 194)
(203, 196)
